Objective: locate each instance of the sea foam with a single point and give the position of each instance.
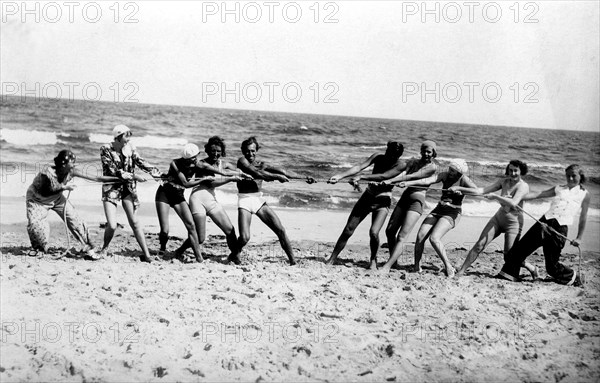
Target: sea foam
(144, 141)
(23, 137)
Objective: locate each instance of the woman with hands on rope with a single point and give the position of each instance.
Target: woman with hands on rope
(551, 230)
(251, 201)
(46, 193)
(120, 159)
(376, 199)
(203, 202)
(171, 194)
(446, 215)
(409, 208)
(508, 219)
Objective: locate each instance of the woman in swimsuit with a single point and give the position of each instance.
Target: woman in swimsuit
(250, 200)
(507, 220)
(409, 208)
(446, 215)
(171, 194)
(203, 201)
(376, 199)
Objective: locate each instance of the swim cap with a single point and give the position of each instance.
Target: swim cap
(429, 143)
(120, 129)
(189, 151)
(459, 165)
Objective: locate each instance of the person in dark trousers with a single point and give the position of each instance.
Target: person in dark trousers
(568, 200)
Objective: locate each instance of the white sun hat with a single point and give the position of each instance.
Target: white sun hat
(459, 165)
(189, 151)
(120, 129)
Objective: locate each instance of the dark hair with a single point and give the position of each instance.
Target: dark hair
(63, 157)
(518, 163)
(248, 142)
(578, 169)
(215, 140)
(397, 146)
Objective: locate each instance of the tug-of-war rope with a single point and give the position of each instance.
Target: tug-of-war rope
(357, 187)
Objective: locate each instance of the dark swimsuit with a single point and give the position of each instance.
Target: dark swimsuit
(413, 199)
(375, 197)
(172, 191)
(450, 205)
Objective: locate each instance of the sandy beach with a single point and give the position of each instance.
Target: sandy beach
(120, 320)
(354, 91)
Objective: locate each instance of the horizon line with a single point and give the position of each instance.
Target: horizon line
(3, 97)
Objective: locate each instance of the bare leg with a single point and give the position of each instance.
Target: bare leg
(438, 232)
(357, 215)
(490, 231)
(393, 227)
(268, 216)
(183, 210)
(138, 230)
(200, 222)
(422, 235)
(162, 210)
(244, 221)
(221, 219)
(410, 219)
(377, 220)
(110, 211)
(199, 216)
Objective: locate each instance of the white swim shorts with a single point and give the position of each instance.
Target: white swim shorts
(251, 201)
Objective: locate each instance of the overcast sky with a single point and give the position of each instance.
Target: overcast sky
(533, 64)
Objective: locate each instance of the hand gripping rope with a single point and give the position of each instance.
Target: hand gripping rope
(356, 186)
(545, 226)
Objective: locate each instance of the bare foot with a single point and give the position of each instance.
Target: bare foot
(91, 255)
(396, 266)
(177, 254)
(459, 274)
(450, 272)
(385, 269)
(37, 253)
(373, 265)
(184, 258)
(145, 258)
(161, 254)
(199, 259)
(234, 258)
(535, 273)
(331, 261)
(291, 259)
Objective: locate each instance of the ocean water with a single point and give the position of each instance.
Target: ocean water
(32, 131)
